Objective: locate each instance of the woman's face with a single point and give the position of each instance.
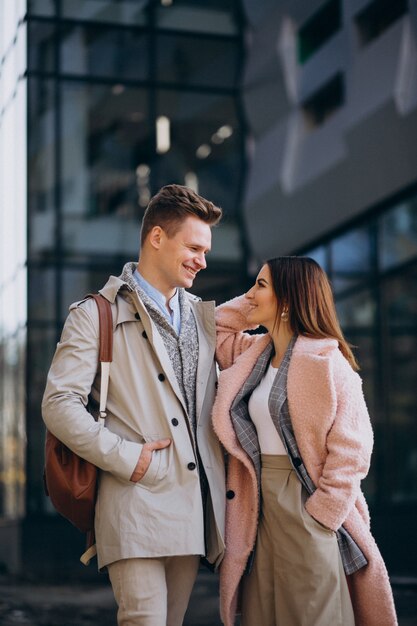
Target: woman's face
(263, 301)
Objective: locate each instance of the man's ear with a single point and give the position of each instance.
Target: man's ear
(155, 237)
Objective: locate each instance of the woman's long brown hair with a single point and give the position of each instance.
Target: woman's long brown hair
(302, 287)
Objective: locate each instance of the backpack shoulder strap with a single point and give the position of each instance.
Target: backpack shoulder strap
(105, 327)
(106, 345)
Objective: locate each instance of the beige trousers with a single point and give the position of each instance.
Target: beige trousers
(297, 577)
(153, 592)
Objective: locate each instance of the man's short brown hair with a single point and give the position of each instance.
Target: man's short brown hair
(172, 205)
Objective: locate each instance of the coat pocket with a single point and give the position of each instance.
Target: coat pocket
(159, 465)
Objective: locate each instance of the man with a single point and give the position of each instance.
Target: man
(161, 496)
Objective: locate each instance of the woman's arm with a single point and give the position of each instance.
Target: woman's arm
(349, 444)
(231, 321)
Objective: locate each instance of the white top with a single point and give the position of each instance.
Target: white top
(269, 440)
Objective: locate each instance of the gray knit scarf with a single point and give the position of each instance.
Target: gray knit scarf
(182, 349)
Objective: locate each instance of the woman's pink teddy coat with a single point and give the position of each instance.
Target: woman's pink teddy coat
(334, 436)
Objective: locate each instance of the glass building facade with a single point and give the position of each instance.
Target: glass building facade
(13, 263)
(123, 97)
(104, 101)
(373, 269)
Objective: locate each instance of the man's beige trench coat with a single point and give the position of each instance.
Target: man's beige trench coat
(162, 514)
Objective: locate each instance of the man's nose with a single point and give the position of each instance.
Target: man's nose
(201, 260)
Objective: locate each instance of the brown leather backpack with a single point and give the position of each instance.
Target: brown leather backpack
(70, 481)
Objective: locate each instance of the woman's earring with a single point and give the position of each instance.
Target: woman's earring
(284, 315)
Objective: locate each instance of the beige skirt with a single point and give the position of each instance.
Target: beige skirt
(297, 577)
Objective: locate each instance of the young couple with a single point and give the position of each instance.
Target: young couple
(286, 523)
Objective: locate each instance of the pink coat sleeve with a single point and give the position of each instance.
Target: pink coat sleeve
(230, 323)
(349, 446)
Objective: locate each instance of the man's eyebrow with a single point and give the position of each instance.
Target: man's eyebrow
(198, 245)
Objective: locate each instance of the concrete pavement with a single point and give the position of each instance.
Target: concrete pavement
(31, 604)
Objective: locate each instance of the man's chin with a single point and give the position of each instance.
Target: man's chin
(187, 282)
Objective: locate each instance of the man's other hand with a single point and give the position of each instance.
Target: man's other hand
(146, 458)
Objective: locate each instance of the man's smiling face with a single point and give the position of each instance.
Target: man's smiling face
(183, 255)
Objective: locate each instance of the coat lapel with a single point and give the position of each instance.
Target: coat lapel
(278, 393)
(206, 329)
(244, 427)
(159, 349)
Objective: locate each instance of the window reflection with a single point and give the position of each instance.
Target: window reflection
(398, 234)
(106, 137)
(76, 283)
(197, 61)
(42, 283)
(41, 7)
(357, 315)
(104, 51)
(198, 120)
(12, 425)
(351, 258)
(13, 260)
(320, 256)
(119, 12)
(93, 158)
(41, 347)
(400, 306)
(41, 167)
(213, 16)
(41, 39)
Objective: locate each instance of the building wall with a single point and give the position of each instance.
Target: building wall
(330, 93)
(12, 277)
(123, 97)
(317, 162)
(330, 138)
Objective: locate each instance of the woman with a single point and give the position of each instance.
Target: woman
(291, 415)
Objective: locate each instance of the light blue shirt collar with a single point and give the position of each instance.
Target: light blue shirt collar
(173, 317)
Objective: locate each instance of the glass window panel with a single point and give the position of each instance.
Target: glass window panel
(41, 348)
(106, 145)
(357, 311)
(77, 283)
(351, 258)
(357, 316)
(42, 294)
(320, 256)
(197, 61)
(205, 140)
(400, 309)
(114, 11)
(215, 16)
(398, 234)
(41, 167)
(104, 51)
(41, 46)
(12, 426)
(41, 7)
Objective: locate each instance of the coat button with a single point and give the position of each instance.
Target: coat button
(297, 461)
(230, 494)
(174, 421)
(144, 335)
(137, 316)
(191, 466)
(161, 377)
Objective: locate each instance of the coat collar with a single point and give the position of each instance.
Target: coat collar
(129, 304)
(125, 286)
(308, 345)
